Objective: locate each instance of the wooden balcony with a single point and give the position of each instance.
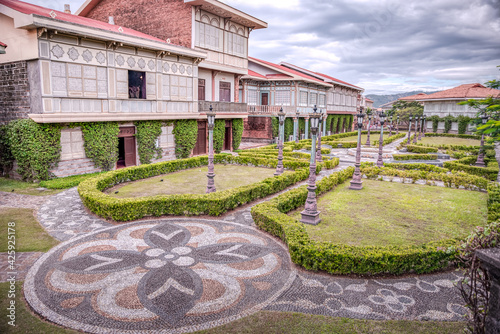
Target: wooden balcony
(273, 110)
(222, 107)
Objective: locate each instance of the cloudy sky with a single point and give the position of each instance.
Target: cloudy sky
(383, 46)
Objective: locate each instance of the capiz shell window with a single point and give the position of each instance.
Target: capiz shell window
(136, 85)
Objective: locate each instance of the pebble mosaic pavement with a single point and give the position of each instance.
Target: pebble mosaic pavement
(181, 275)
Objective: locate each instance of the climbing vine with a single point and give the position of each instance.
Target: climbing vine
(219, 134)
(302, 126)
(237, 132)
(288, 127)
(435, 122)
(101, 143)
(35, 147)
(275, 125)
(186, 134)
(147, 135)
(463, 121)
(6, 158)
(350, 120)
(335, 123)
(447, 123)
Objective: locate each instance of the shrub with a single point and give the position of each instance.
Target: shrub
(237, 132)
(66, 182)
(35, 147)
(343, 259)
(147, 134)
(414, 156)
(6, 158)
(213, 204)
(421, 149)
(465, 165)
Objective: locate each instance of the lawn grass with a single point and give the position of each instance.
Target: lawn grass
(67, 182)
(30, 236)
(267, 322)
(264, 322)
(192, 181)
(373, 137)
(24, 188)
(386, 213)
(449, 141)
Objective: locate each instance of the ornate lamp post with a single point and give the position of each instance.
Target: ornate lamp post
(409, 131)
(480, 157)
(421, 124)
(390, 127)
(380, 161)
(368, 134)
(318, 152)
(425, 127)
(281, 118)
(416, 129)
(397, 124)
(211, 174)
(356, 183)
(310, 215)
(296, 126)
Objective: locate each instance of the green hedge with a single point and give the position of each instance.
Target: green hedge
(67, 182)
(214, 204)
(414, 156)
(466, 165)
(389, 140)
(464, 136)
(421, 149)
(343, 259)
(345, 144)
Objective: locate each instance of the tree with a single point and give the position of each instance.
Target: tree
(404, 109)
(495, 84)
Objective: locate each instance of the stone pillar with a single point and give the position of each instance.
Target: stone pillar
(324, 125)
(296, 129)
(491, 262)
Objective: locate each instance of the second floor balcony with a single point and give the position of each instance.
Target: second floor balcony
(222, 107)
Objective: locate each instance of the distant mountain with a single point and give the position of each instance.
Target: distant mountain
(378, 100)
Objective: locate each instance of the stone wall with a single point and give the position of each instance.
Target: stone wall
(14, 91)
(166, 19)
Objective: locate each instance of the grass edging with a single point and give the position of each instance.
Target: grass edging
(214, 204)
(343, 259)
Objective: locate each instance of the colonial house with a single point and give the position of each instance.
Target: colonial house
(368, 103)
(219, 30)
(65, 69)
(268, 87)
(445, 103)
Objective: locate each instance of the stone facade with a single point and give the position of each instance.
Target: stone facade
(257, 129)
(14, 91)
(173, 24)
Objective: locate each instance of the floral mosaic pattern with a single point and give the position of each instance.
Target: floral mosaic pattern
(87, 56)
(100, 57)
(57, 51)
(141, 63)
(162, 275)
(120, 60)
(73, 54)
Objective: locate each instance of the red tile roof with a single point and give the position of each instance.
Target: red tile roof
(278, 75)
(413, 97)
(467, 91)
(286, 69)
(3, 44)
(255, 74)
(368, 100)
(27, 8)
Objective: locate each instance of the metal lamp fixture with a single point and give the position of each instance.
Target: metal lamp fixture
(279, 167)
(368, 134)
(211, 174)
(296, 126)
(417, 118)
(380, 160)
(320, 134)
(310, 215)
(397, 124)
(409, 131)
(356, 183)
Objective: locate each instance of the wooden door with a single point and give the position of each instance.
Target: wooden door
(227, 138)
(265, 99)
(201, 143)
(201, 89)
(129, 151)
(224, 91)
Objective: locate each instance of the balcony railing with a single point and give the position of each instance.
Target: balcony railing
(204, 106)
(273, 110)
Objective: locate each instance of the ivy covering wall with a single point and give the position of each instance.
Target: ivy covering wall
(35, 147)
(275, 125)
(288, 127)
(147, 135)
(101, 143)
(186, 134)
(6, 158)
(219, 133)
(237, 132)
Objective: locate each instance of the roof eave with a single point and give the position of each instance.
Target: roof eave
(45, 22)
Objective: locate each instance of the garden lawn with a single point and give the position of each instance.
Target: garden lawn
(373, 137)
(449, 141)
(30, 236)
(263, 322)
(385, 213)
(25, 188)
(192, 181)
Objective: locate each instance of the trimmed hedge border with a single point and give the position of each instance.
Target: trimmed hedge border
(421, 149)
(342, 259)
(414, 156)
(213, 204)
(465, 165)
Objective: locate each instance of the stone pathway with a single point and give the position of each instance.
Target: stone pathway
(13, 200)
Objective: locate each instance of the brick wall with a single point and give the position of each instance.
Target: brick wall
(160, 18)
(257, 129)
(14, 91)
